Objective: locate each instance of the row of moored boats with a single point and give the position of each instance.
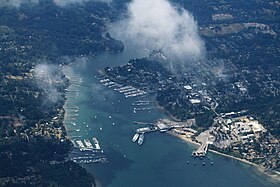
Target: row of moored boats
(128, 91)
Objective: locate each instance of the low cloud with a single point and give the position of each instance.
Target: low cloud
(159, 25)
(49, 79)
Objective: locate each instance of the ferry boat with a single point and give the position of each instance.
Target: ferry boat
(141, 139)
(135, 137)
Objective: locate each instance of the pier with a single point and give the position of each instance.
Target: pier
(201, 151)
(86, 151)
(162, 125)
(126, 90)
(146, 130)
(143, 109)
(89, 160)
(142, 123)
(142, 103)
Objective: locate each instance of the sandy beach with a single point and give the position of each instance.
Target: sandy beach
(274, 175)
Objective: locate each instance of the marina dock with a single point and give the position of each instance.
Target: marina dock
(86, 151)
(162, 125)
(89, 160)
(126, 90)
(146, 130)
(85, 144)
(142, 123)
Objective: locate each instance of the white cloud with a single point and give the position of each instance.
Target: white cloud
(48, 78)
(157, 24)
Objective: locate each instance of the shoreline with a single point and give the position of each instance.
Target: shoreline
(96, 182)
(275, 175)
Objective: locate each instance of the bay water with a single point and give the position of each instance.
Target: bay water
(163, 160)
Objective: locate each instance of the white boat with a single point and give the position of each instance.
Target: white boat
(80, 144)
(96, 143)
(141, 139)
(88, 144)
(135, 137)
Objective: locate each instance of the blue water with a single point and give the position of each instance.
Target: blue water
(162, 159)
